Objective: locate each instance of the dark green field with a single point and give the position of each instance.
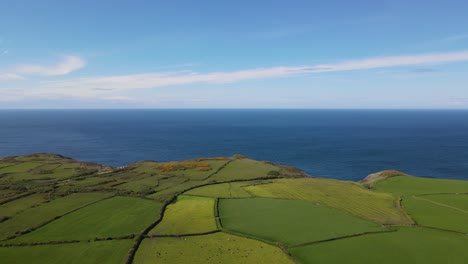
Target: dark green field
(54, 209)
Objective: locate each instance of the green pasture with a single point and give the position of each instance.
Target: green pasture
(36, 216)
(289, 222)
(223, 190)
(244, 169)
(21, 167)
(16, 206)
(105, 252)
(209, 249)
(346, 196)
(408, 185)
(189, 215)
(114, 217)
(406, 246)
(427, 212)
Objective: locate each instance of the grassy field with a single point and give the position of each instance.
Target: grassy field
(457, 201)
(407, 185)
(189, 215)
(244, 169)
(406, 246)
(346, 196)
(106, 252)
(21, 167)
(114, 217)
(45, 212)
(209, 249)
(287, 221)
(434, 214)
(223, 190)
(16, 206)
(140, 185)
(261, 218)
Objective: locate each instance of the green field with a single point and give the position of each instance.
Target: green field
(16, 206)
(434, 214)
(223, 190)
(209, 249)
(407, 185)
(21, 167)
(114, 217)
(106, 252)
(406, 246)
(189, 215)
(223, 210)
(458, 202)
(244, 169)
(288, 221)
(36, 216)
(346, 196)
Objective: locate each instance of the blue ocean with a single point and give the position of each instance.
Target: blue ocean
(341, 144)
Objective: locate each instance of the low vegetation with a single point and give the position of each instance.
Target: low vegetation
(54, 209)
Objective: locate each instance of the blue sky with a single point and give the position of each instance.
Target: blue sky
(233, 54)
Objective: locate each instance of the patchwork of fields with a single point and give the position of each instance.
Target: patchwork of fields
(54, 209)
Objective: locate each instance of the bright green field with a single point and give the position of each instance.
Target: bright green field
(16, 206)
(47, 211)
(346, 196)
(223, 190)
(140, 185)
(22, 167)
(457, 201)
(106, 252)
(244, 169)
(209, 249)
(434, 214)
(189, 215)
(287, 221)
(406, 246)
(407, 185)
(114, 217)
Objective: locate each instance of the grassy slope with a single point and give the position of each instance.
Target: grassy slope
(244, 169)
(288, 221)
(346, 196)
(106, 252)
(209, 249)
(16, 206)
(223, 190)
(114, 217)
(189, 215)
(38, 215)
(407, 185)
(431, 210)
(406, 246)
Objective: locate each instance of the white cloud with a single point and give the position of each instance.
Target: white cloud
(68, 65)
(109, 84)
(10, 77)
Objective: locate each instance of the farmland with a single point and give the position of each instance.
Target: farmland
(213, 248)
(289, 221)
(54, 209)
(406, 246)
(189, 215)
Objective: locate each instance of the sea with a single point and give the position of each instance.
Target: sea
(340, 144)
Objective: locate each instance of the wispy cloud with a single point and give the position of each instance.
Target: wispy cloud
(108, 84)
(66, 66)
(10, 77)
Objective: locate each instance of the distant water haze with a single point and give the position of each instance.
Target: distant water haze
(341, 144)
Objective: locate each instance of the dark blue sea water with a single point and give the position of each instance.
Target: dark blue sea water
(342, 144)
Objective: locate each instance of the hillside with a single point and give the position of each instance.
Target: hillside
(54, 209)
